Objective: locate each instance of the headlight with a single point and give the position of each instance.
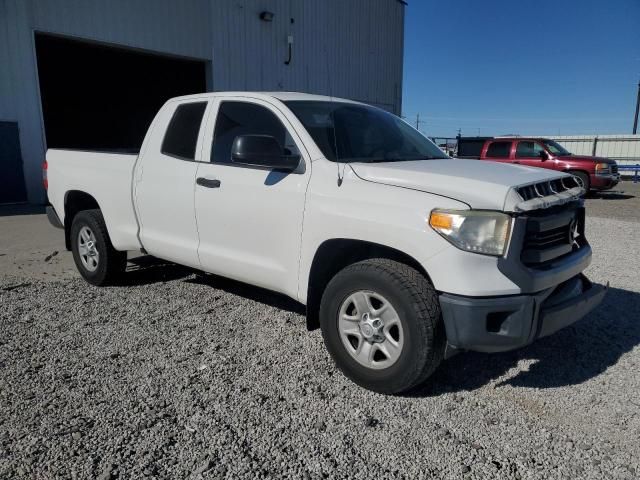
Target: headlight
(602, 168)
(474, 231)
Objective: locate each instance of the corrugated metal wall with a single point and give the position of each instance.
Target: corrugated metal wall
(177, 28)
(348, 49)
(19, 99)
(168, 26)
(343, 48)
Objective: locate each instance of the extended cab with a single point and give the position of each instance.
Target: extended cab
(595, 173)
(402, 255)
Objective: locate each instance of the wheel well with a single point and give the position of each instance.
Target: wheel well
(75, 201)
(577, 170)
(336, 254)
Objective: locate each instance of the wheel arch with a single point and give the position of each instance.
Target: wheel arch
(335, 254)
(572, 171)
(75, 201)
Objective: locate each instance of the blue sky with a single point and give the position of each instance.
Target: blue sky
(521, 66)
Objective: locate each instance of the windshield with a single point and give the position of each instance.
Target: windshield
(555, 148)
(350, 132)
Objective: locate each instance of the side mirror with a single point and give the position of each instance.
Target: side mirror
(544, 155)
(262, 151)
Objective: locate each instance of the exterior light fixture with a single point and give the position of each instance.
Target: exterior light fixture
(266, 16)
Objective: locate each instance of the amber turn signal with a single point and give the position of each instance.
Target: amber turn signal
(441, 220)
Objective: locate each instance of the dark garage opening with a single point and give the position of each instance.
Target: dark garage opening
(98, 97)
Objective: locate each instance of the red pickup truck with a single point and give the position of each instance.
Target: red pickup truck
(595, 173)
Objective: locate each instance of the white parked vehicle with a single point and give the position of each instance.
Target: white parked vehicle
(401, 254)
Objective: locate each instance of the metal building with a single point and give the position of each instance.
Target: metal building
(92, 73)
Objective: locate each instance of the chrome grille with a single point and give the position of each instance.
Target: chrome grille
(544, 189)
(552, 236)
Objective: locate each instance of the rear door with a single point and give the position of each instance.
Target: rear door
(165, 183)
(528, 153)
(498, 151)
(250, 218)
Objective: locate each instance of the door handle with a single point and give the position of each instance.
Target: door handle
(208, 182)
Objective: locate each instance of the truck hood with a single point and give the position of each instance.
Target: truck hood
(479, 184)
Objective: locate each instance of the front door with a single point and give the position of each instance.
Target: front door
(250, 218)
(528, 152)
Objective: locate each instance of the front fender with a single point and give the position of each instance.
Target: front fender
(360, 210)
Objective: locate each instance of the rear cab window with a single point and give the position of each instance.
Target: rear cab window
(181, 137)
(499, 149)
(470, 148)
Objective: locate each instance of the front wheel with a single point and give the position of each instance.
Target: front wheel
(96, 259)
(584, 180)
(381, 323)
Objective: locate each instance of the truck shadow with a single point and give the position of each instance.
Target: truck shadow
(257, 294)
(145, 270)
(609, 196)
(570, 357)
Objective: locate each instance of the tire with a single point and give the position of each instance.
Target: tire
(97, 261)
(419, 338)
(584, 180)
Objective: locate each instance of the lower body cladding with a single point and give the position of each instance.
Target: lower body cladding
(497, 324)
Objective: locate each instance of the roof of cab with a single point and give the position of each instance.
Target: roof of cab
(282, 96)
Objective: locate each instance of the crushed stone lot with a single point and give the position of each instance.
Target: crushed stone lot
(176, 375)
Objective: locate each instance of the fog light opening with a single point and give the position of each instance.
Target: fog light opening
(495, 321)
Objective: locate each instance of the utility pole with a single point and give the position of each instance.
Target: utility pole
(635, 121)
(417, 121)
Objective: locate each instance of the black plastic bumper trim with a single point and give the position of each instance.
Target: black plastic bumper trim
(505, 323)
(565, 313)
(53, 217)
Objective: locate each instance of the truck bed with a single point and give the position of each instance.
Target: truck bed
(107, 177)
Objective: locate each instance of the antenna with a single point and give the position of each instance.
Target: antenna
(333, 121)
(335, 145)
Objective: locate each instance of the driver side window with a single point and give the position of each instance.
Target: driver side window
(243, 118)
(527, 149)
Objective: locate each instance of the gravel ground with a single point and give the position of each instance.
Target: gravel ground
(622, 203)
(180, 376)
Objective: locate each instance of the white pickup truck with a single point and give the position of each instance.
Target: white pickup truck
(402, 255)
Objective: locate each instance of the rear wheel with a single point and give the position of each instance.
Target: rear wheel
(96, 259)
(381, 323)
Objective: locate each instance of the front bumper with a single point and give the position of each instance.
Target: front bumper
(497, 324)
(604, 182)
